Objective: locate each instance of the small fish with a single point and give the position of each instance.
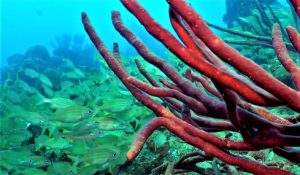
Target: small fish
(23, 159)
(68, 63)
(138, 111)
(48, 91)
(33, 161)
(79, 148)
(159, 140)
(106, 139)
(106, 155)
(72, 114)
(31, 73)
(72, 75)
(90, 136)
(109, 146)
(248, 20)
(12, 126)
(62, 168)
(104, 124)
(75, 73)
(99, 157)
(58, 102)
(13, 96)
(45, 80)
(22, 84)
(112, 124)
(92, 169)
(30, 171)
(115, 105)
(55, 143)
(14, 139)
(33, 118)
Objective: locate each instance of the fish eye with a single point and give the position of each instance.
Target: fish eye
(114, 155)
(90, 111)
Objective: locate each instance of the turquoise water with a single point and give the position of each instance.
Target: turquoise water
(63, 111)
(29, 22)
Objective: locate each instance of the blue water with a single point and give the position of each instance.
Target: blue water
(29, 22)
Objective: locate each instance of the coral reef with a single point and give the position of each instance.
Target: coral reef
(228, 101)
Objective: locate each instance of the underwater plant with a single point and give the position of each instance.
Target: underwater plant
(228, 101)
(251, 34)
